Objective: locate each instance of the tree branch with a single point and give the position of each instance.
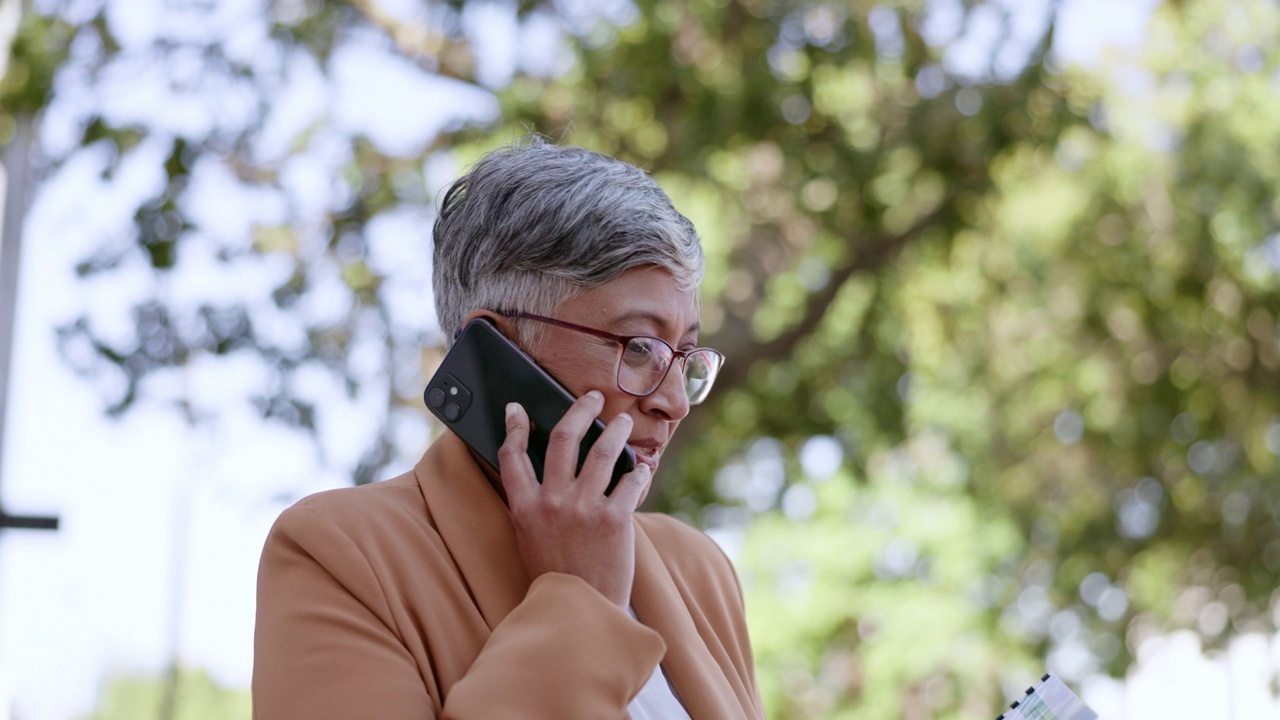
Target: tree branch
(735, 337)
(736, 341)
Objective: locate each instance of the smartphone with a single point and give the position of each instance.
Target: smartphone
(485, 370)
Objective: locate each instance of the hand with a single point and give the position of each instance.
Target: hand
(567, 524)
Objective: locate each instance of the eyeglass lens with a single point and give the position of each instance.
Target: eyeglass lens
(645, 362)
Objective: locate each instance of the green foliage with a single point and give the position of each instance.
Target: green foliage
(194, 696)
(869, 597)
(1069, 276)
(37, 51)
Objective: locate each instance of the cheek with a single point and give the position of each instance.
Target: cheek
(583, 372)
(616, 403)
(589, 371)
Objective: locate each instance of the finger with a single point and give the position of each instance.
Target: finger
(632, 487)
(561, 464)
(597, 469)
(518, 478)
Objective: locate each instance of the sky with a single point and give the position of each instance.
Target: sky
(162, 523)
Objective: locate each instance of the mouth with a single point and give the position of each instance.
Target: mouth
(649, 454)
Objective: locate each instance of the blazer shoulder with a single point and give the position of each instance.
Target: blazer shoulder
(366, 515)
(398, 495)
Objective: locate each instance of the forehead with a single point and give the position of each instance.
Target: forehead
(645, 299)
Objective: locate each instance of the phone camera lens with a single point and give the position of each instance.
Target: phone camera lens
(435, 397)
(452, 411)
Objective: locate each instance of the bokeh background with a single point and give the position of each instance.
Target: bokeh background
(998, 280)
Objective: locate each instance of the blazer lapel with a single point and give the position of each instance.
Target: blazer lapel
(475, 526)
(693, 671)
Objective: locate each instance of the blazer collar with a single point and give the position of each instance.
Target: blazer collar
(661, 603)
(475, 526)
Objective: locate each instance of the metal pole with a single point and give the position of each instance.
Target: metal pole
(17, 164)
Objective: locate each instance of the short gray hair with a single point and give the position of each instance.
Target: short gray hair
(533, 224)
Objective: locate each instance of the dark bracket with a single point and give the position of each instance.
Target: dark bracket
(27, 522)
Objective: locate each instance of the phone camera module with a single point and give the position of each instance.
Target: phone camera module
(447, 397)
(452, 412)
(435, 397)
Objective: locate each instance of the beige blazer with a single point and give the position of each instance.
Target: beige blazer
(408, 599)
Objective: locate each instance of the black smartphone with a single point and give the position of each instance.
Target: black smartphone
(485, 370)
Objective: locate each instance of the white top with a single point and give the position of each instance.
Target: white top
(657, 699)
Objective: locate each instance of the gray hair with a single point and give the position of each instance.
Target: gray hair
(533, 224)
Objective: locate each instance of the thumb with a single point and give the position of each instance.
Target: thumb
(633, 486)
(513, 457)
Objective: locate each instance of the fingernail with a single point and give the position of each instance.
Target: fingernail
(595, 395)
(512, 409)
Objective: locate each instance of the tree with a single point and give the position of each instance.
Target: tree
(1027, 312)
(1064, 279)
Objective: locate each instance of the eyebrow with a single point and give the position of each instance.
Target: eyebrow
(655, 319)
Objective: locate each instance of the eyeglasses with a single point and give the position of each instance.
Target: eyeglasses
(645, 360)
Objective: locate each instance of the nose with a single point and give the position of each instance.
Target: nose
(670, 399)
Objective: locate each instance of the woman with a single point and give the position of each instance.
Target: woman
(456, 592)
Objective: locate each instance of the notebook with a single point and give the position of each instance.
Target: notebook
(1050, 700)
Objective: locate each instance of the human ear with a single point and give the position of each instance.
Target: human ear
(502, 322)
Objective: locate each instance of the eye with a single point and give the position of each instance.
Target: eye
(640, 351)
(697, 367)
